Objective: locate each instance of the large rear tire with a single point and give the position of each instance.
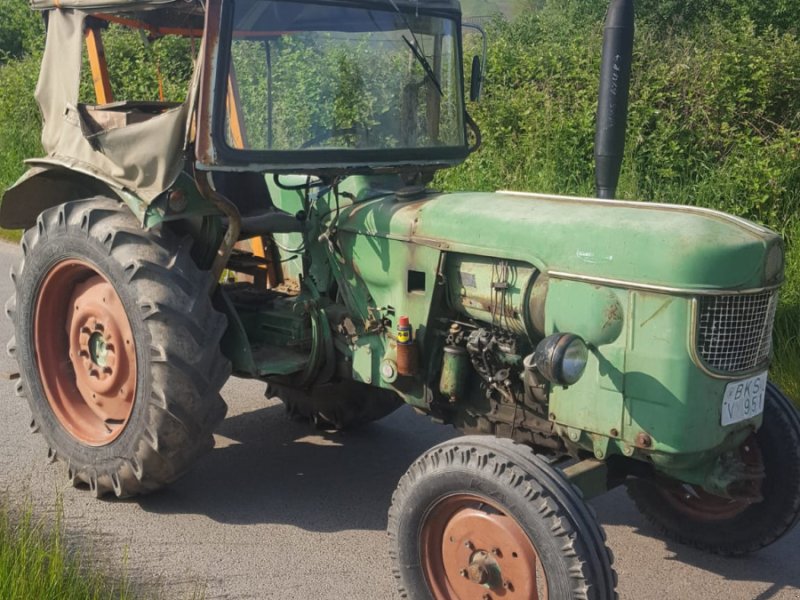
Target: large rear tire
(690, 516)
(480, 517)
(118, 347)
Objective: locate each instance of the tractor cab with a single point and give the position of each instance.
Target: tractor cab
(332, 87)
(320, 89)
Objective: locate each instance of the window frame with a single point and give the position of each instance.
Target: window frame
(325, 160)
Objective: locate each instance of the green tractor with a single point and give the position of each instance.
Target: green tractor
(279, 225)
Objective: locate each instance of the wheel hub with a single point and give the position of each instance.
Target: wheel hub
(472, 550)
(89, 371)
(98, 351)
(481, 568)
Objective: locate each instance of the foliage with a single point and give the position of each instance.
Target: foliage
(672, 15)
(20, 120)
(486, 8)
(140, 69)
(679, 17)
(35, 562)
(21, 30)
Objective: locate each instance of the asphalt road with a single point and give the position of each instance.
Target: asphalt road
(277, 510)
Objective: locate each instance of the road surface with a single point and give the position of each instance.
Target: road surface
(277, 510)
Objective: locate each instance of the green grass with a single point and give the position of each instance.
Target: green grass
(11, 235)
(36, 563)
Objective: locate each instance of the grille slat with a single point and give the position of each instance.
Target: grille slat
(734, 333)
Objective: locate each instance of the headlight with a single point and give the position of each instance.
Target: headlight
(561, 358)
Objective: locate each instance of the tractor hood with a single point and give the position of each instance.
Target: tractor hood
(678, 248)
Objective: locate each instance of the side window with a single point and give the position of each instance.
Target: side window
(126, 63)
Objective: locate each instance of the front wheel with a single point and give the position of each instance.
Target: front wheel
(479, 517)
(118, 347)
(730, 527)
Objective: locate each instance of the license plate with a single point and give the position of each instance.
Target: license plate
(744, 399)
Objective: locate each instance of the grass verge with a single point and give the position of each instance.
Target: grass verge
(11, 235)
(35, 562)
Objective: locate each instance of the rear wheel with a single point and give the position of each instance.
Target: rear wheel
(730, 527)
(485, 518)
(118, 347)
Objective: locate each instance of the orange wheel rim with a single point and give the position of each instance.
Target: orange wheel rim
(698, 504)
(85, 352)
(471, 549)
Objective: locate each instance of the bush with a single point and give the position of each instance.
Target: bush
(714, 118)
(21, 30)
(20, 120)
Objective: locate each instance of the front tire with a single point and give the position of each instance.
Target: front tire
(695, 518)
(479, 517)
(118, 347)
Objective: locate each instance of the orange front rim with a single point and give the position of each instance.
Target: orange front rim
(698, 504)
(85, 352)
(472, 549)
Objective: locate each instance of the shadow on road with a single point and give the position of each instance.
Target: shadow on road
(268, 469)
(775, 565)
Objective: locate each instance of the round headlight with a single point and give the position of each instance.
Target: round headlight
(561, 358)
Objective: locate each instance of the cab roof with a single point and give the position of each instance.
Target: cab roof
(193, 6)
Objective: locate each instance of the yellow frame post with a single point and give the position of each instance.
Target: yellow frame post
(99, 66)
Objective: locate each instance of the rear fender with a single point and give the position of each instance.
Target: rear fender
(50, 184)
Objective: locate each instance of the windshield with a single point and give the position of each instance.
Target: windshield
(308, 77)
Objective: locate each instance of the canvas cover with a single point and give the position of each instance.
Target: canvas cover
(143, 154)
(100, 5)
(139, 5)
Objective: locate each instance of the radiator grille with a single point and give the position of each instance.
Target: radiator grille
(734, 333)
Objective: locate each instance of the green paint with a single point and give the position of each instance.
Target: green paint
(455, 371)
(591, 477)
(496, 259)
(489, 291)
(636, 242)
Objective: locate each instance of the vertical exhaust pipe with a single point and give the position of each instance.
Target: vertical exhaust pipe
(612, 111)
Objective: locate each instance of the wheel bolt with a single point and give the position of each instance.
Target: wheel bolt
(496, 552)
(468, 544)
(508, 585)
(487, 597)
(463, 573)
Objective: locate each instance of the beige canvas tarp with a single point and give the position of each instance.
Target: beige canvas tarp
(145, 157)
(100, 5)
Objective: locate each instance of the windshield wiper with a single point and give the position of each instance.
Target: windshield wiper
(415, 50)
(426, 65)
